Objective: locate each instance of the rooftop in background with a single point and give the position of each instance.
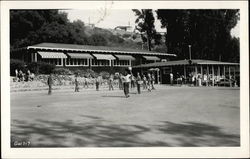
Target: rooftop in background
(185, 62)
(91, 48)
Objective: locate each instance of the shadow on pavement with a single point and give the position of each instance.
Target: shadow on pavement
(70, 134)
(114, 96)
(96, 132)
(199, 134)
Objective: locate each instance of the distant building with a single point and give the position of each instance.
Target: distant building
(85, 56)
(186, 67)
(125, 28)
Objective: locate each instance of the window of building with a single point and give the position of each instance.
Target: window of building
(121, 63)
(100, 62)
(57, 62)
(76, 62)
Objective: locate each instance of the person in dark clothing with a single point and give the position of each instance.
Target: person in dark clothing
(153, 81)
(120, 81)
(97, 83)
(110, 82)
(138, 83)
(76, 84)
(149, 82)
(50, 82)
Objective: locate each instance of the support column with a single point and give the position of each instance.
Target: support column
(62, 61)
(196, 71)
(89, 63)
(212, 75)
(185, 71)
(207, 70)
(201, 71)
(35, 58)
(229, 76)
(218, 73)
(158, 77)
(224, 68)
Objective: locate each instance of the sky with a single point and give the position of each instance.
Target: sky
(111, 18)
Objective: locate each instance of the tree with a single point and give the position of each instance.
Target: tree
(25, 23)
(208, 31)
(145, 25)
(29, 27)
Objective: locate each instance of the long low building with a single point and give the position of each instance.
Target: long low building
(184, 68)
(94, 57)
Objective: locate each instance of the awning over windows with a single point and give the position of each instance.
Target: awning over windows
(80, 56)
(52, 55)
(104, 57)
(125, 57)
(152, 58)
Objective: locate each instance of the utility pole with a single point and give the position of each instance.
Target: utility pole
(189, 46)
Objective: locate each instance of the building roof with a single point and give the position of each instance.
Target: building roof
(184, 62)
(94, 49)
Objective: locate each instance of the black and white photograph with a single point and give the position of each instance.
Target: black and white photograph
(127, 75)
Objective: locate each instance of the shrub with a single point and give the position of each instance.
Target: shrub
(62, 71)
(16, 64)
(105, 75)
(33, 67)
(45, 68)
(41, 67)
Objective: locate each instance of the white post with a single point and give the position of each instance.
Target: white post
(212, 75)
(35, 57)
(196, 71)
(185, 71)
(229, 76)
(218, 73)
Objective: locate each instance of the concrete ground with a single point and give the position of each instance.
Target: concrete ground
(167, 116)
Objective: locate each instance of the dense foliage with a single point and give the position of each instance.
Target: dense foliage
(28, 27)
(145, 25)
(207, 31)
(16, 64)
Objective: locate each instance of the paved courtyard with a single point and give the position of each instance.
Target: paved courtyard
(168, 116)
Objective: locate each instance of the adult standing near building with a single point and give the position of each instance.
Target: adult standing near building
(138, 83)
(144, 79)
(110, 82)
(20, 75)
(205, 78)
(50, 82)
(153, 81)
(16, 72)
(76, 83)
(132, 81)
(97, 83)
(171, 79)
(86, 82)
(126, 80)
(120, 81)
(149, 82)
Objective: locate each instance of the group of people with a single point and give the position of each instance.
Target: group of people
(126, 81)
(197, 79)
(24, 76)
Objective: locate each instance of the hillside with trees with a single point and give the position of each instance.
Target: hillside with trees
(28, 27)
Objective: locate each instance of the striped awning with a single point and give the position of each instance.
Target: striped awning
(104, 57)
(125, 57)
(152, 58)
(52, 55)
(80, 56)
